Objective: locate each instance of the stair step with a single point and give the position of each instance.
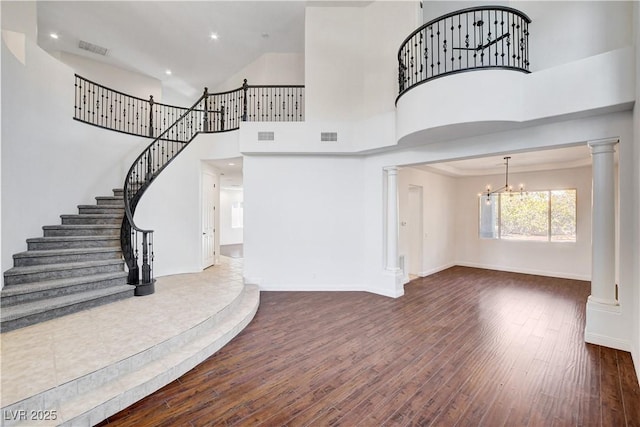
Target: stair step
(29, 292)
(101, 209)
(88, 219)
(21, 315)
(110, 200)
(81, 230)
(54, 256)
(118, 192)
(172, 359)
(35, 273)
(69, 242)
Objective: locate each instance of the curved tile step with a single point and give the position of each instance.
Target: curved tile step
(91, 398)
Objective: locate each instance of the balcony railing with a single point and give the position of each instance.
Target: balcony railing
(104, 107)
(469, 39)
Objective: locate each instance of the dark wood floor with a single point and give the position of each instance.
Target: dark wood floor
(463, 347)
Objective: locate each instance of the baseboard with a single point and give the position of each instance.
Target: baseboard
(525, 271)
(252, 280)
(330, 288)
(313, 288)
(635, 356)
(605, 341)
(436, 270)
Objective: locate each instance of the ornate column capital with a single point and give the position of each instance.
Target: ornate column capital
(391, 170)
(603, 145)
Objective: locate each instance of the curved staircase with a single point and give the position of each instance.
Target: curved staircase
(75, 266)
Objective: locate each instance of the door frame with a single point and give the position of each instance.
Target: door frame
(415, 231)
(208, 262)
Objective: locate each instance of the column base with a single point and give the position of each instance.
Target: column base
(605, 325)
(603, 303)
(397, 278)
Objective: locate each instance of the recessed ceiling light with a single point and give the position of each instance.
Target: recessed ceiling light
(168, 72)
(214, 36)
(232, 164)
(53, 36)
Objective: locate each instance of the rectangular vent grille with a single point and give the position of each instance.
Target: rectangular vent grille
(94, 48)
(328, 136)
(266, 136)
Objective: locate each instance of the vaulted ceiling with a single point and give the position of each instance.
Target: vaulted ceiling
(151, 37)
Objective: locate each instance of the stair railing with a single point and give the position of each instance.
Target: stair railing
(108, 108)
(147, 166)
(211, 113)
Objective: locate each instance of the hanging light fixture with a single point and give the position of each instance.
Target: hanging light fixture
(508, 189)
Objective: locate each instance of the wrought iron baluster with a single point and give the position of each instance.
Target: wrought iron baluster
(245, 88)
(490, 36)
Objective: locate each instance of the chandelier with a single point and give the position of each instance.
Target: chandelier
(506, 188)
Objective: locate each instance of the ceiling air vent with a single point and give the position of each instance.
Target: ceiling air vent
(328, 136)
(93, 48)
(266, 136)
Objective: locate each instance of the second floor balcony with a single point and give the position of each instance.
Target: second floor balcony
(469, 39)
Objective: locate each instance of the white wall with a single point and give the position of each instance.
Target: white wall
(561, 31)
(439, 225)
(351, 58)
(565, 31)
(635, 211)
(20, 17)
(268, 69)
(599, 83)
(125, 81)
(568, 260)
(50, 162)
(228, 234)
(303, 222)
(172, 205)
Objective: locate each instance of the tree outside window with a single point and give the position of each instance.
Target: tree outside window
(546, 216)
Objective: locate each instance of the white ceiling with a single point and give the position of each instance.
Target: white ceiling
(533, 161)
(230, 172)
(150, 37)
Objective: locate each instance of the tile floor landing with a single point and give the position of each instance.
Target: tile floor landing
(44, 364)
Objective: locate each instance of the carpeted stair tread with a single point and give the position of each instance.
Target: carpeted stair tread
(73, 238)
(72, 251)
(100, 215)
(75, 265)
(15, 271)
(22, 288)
(42, 306)
(110, 198)
(114, 208)
(79, 226)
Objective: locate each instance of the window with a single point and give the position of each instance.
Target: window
(237, 213)
(545, 216)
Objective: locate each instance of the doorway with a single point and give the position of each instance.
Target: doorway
(208, 219)
(415, 230)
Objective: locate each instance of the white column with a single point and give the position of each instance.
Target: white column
(392, 219)
(603, 257)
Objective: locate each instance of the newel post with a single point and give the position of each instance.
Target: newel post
(146, 268)
(151, 116)
(245, 88)
(205, 123)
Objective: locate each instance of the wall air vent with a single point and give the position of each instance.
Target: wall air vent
(266, 136)
(93, 48)
(328, 136)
